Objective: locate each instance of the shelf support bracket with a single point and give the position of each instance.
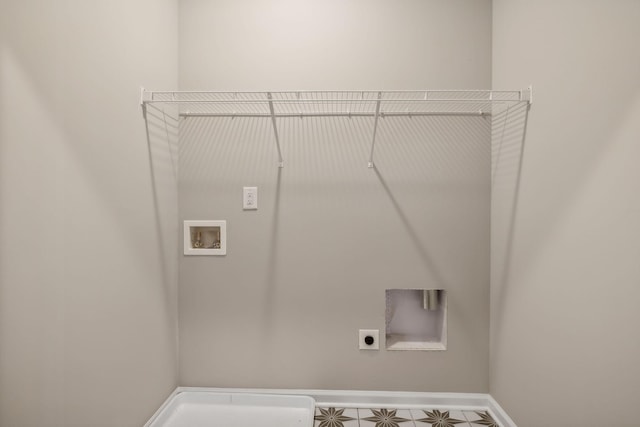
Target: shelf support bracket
(143, 105)
(375, 129)
(275, 129)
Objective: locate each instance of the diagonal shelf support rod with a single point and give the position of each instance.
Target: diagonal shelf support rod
(275, 129)
(375, 129)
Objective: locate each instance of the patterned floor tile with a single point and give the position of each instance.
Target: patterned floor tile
(336, 417)
(440, 418)
(361, 417)
(480, 418)
(454, 413)
(385, 418)
(417, 413)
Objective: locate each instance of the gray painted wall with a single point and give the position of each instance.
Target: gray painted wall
(564, 286)
(310, 267)
(88, 306)
(80, 319)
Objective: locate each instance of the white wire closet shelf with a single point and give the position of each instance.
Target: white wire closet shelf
(374, 104)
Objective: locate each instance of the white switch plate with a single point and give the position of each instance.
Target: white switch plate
(364, 333)
(249, 198)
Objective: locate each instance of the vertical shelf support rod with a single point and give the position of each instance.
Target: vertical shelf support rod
(375, 129)
(275, 129)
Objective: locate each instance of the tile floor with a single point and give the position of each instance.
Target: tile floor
(360, 417)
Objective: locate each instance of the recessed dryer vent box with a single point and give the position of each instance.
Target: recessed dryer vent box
(416, 319)
(205, 237)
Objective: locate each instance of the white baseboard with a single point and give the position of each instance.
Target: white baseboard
(499, 414)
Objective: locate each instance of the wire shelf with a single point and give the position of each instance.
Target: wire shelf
(336, 103)
(301, 104)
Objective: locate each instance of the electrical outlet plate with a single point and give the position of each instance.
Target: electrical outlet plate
(364, 333)
(249, 198)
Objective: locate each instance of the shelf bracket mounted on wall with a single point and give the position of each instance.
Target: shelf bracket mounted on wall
(143, 105)
(275, 129)
(530, 95)
(375, 129)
